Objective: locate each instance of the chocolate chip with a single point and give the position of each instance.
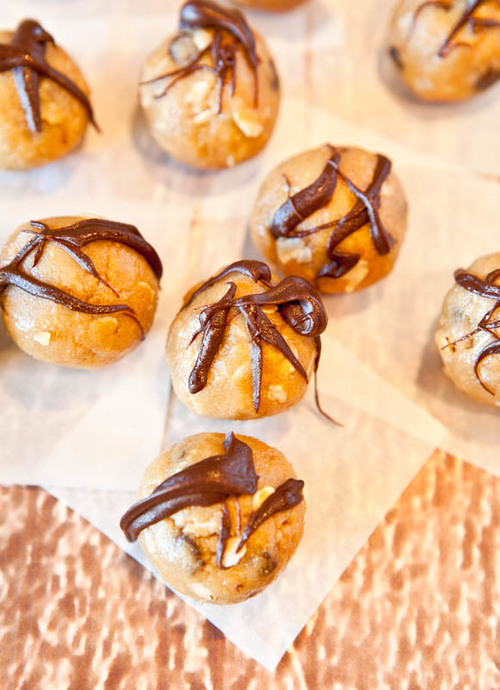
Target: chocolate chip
(396, 57)
(487, 79)
(268, 564)
(275, 80)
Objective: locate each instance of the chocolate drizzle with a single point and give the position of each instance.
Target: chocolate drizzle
(484, 288)
(476, 24)
(210, 481)
(25, 56)
(72, 239)
(230, 31)
(298, 304)
(307, 201)
(287, 495)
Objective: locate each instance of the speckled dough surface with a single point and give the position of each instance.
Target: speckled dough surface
(183, 547)
(466, 317)
(199, 120)
(447, 50)
(64, 119)
(52, 332)
(307, 256)
(228, 393)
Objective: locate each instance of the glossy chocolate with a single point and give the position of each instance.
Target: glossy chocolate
(25, 56)
(230, 30)
(72, 239)
(318, 195)
(484, 288)
(298, 303)
(207, 482)
(476, 24)
(287, 496)
(210, 481)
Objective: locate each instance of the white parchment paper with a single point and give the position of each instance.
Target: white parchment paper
(111, 417)
(56, 424)
(352, 477)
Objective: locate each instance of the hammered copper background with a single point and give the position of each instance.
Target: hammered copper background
(418, 607)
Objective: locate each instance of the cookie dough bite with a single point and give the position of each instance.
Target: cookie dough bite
(244, 345)
(218, 517)
(447, 50)
(44, 100)
(210, 92)
(334, 215)
(468, 335)
(77, 291)
(269, 5)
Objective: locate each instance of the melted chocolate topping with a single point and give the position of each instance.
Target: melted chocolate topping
(287, 496)
(476, 24)
(25, 56)
(298, 303)
(485, 288)
(318, 195)
(230, 30)
(206, 483)
(72, 238)
(487, 79)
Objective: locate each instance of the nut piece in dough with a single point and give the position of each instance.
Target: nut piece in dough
(44, 104)
(334, 215)
(468, 335)
(447, 50)
(77, 291)
(210, 92)
(244, 345)
(218, 517)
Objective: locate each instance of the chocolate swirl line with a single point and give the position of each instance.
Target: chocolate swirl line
(25, 56)
(484, 288)
(297, 301)
(257, 271)
(205, 483)
(287, 495)
(213, 330)
(72, 238)
(210, 481)
(476, 24)
(317, 195)
(230, 30)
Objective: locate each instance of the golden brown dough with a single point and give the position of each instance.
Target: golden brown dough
(183, 546)
(269, 5)
(468, 341)
(98, 275)
(45, 121)
(219, 105)
(308, 221)
(213, 345)
(447, 50)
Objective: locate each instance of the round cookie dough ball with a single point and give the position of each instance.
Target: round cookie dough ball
(44, 107)
(335, 216)
(269, 5)
(467, 337)
(221, 494)
(447, 50)
(211, 92)
(243, 345)
(77, 291)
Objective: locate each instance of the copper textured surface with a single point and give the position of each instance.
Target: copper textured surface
(418, 607)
